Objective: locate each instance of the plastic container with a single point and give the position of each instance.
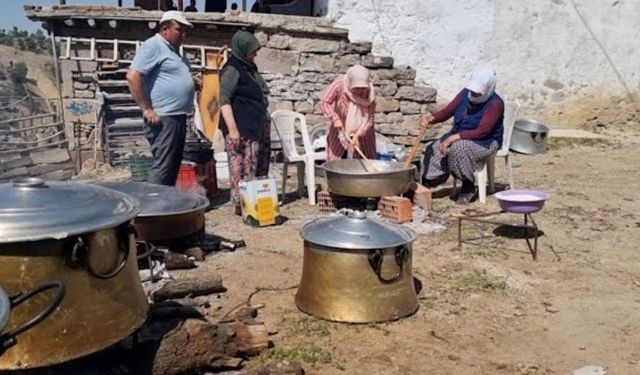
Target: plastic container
(522, 201)
(187, 177)
(140, 167)
(222, 165)
(386, 155)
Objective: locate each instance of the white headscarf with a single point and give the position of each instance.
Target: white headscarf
(483, 82)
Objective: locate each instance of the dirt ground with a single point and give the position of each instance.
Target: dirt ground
(484, 309)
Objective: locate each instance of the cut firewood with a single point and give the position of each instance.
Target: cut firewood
(189, 287)
(175, 261)
(196, 346)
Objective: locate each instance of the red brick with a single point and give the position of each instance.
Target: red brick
(396, 209)
(421, 196)
(325, 202)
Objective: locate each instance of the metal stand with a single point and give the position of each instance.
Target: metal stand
(149, 250)
(526, 226)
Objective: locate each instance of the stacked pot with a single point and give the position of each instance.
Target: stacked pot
(81, 236)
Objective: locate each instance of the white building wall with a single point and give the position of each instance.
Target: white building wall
(544, 53)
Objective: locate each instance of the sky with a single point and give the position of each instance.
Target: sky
(13, 13)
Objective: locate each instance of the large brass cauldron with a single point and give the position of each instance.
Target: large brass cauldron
(166, 212)
(80, 235)
(357, 270)
(352, 178)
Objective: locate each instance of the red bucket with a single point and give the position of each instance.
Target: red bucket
(187, 180)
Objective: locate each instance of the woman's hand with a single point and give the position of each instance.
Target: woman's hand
(234, 134)
(426, 120)
(443, 147)
(338, 124)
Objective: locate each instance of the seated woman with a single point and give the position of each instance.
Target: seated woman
(350, 106)
(476, 133)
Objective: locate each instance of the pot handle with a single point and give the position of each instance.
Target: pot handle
(8, 339)
(80, 252)
(538, 137)
(376, 257)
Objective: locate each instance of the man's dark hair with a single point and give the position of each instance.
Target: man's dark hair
(234, 6)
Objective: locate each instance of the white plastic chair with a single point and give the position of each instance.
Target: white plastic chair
(486, 169)
(286, 123)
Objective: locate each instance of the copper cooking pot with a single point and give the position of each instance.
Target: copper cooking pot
(357, 270)
(81, 235)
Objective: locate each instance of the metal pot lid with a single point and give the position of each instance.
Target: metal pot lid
(32, 209)
(160, 200)
(356, 231)
(5, 308)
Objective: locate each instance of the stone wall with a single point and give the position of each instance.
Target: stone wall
(298, 68)
(570, 63)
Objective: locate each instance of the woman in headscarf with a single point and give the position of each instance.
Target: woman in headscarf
(476, 133)
(245, 118)
(350, 106)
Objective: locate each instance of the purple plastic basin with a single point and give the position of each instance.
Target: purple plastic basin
(522, 201)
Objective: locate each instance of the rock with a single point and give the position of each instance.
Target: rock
(391, 129)
(397, 73)
(371, 61)
(80, 86)
(395, 117)
(317, 63)
(386, 88)
(344, 62)
(307, 77)
(551, 309)
(84, 94)
(278, 41)
(410, 108)
(417, 94)
(277, 61)
(357, 47)
(315, 119)
(262, 37)
(314, 45)
(453, 357)
(387, 105)
(280, 105)
(304, 107)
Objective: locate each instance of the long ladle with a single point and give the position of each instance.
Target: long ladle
(367, 161)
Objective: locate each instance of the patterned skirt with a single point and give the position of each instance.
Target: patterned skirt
(460, 161)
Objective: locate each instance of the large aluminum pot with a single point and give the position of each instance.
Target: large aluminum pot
(357, 270)
(81, 235)
(166, 212)
(353, 178)
(529, 137)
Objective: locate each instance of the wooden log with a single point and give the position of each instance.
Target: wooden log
(175, 261)
(195, 346)
(189, 287)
